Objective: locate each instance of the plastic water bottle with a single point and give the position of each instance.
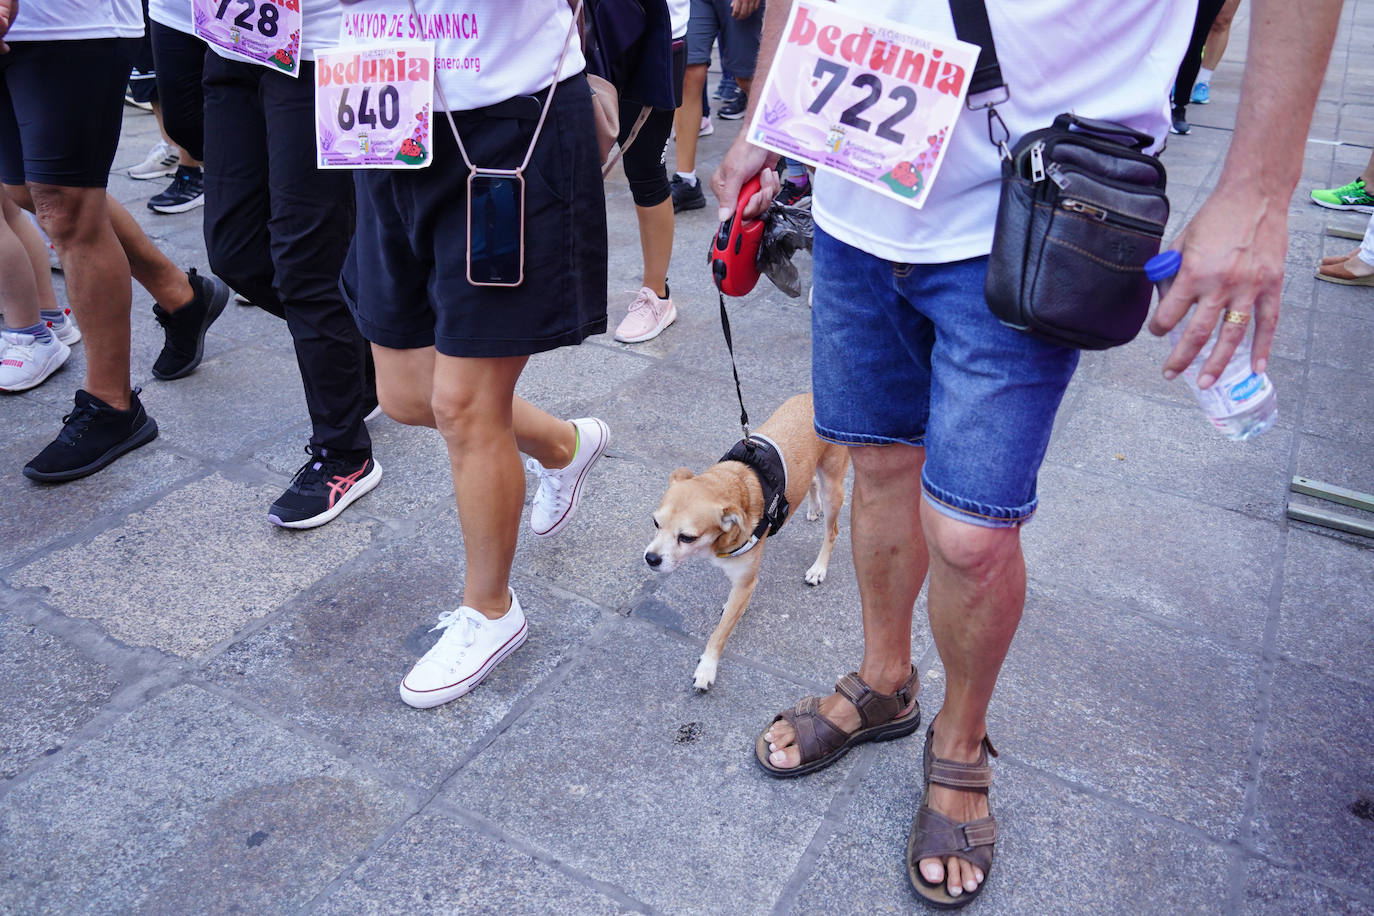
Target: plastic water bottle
(1240, 403)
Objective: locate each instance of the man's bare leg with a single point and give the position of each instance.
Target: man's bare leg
(977, 590)
(153, 270)
(77, 220)
(890, 561)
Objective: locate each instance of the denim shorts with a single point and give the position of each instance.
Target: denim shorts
(739, 38)
(909, 354)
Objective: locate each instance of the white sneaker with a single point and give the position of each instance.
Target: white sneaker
(647, 317)
(469, 647)
(161, 162)
(26, 362)
(66, 329)
(560, 488)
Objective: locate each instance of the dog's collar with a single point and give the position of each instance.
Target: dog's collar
(764, 458)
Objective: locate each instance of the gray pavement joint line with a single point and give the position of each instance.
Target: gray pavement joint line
(87, 636)
(1268, 672)
(493, 830)
(347, 872)
(831, 823)
(107, 520)
(121, 703)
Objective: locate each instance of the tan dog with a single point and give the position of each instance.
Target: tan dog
(719, 514)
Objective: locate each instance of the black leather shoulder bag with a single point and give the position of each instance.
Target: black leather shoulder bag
(1082, 209)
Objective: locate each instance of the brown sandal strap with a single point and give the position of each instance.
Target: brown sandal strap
(938, 837)
(816, 735)
(876, 708)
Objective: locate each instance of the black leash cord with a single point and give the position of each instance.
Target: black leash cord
(730, 345)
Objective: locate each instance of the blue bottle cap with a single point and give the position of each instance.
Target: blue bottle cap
(1163, 265)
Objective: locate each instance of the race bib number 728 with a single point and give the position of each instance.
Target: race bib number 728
(266, 32)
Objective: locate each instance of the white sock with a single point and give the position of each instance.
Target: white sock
(1205, 76)
(689, 177)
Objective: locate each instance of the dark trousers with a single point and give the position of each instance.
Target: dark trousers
(180, 61)
(1192, 61)
(277, 230)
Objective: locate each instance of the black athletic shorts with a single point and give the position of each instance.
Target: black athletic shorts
(61, 106)
(406, 278)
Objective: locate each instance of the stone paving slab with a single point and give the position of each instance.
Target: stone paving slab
(1325, 617)
(189, 804)
(1082, 527)
(191, 570)
(438, 865)
(332, 664)
(625, 775)
(41, 711)
(1316, 783)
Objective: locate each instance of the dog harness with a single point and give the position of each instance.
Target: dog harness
(764, 458)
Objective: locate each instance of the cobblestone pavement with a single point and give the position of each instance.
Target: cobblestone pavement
(201, 710)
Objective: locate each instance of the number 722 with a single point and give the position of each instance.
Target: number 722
(836, 74)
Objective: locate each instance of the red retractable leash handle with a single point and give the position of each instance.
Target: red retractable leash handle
(735, 248)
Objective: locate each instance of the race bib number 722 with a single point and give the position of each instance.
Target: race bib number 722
(865, 98)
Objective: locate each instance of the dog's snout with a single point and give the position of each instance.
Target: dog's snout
(653, 559)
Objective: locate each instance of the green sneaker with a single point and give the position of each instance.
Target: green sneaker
(1353, 196)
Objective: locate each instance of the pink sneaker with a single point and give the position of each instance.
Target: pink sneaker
(647, 318)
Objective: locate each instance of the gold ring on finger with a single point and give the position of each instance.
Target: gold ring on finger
(1236, 317)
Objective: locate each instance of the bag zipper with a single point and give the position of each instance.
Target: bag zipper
(1037, 161)
(1110, 217)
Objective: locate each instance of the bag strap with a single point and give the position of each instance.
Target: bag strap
(986, 89)
(971, 25)
(622, 147)
(1108, 129)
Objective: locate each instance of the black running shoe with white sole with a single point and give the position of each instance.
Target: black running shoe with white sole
(186, 192)
(324, 486)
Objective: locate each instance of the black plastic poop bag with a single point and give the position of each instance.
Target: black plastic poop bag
(786, 231)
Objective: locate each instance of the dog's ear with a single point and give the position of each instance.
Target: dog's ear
(680, 474)
(730, 517)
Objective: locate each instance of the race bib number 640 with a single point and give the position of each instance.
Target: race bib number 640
(373, 104)
(871, 100)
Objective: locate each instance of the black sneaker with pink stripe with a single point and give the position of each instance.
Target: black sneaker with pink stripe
(325, 485)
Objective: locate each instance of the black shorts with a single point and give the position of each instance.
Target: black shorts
(61, 107)
(406, 275)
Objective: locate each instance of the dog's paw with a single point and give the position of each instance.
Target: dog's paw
(705, 675)
(815, 575)
(812, 513)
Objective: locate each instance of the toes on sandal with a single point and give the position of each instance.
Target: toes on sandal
(822, 742)
(934, 836)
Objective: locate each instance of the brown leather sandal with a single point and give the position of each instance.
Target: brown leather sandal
(822, 742)
(934, 836)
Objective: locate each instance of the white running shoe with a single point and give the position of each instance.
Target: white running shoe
(468, 648)
(26, 362)
(560, 488)
(647, 317)
(161, 162)
(65, 328)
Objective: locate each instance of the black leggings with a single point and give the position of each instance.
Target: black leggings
(643, 161)
(1192, 61)
(180, 60)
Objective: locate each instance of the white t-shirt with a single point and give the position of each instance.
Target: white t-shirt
(485, 51)
(1112, 59)
(319, 28)
(174, 14)
(71, 20)
(679, 11)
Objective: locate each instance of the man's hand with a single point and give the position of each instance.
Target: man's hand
(743, 9)
(1233, 253)
(1233, 250)
(742, 162)
(8, 10)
